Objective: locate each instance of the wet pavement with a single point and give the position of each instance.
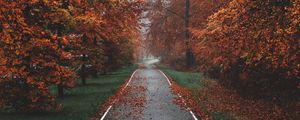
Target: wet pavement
(148, 96)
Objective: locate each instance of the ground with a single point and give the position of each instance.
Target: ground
(222, 103)
(81, 102)
(148, 96)
(152, 92)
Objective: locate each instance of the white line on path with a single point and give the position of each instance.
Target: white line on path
(195, 118)
(165, 77)
(131, 78)
(106, 112)
(102, 118)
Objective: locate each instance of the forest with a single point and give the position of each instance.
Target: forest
(251, 47)
(45, 43)
(245, 54)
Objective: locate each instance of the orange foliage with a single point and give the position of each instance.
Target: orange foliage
(259, 39)
(166, 36)
(41, 43)
(31, 58)
(216, 98)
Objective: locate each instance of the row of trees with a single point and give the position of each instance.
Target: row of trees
(52, 42)
(249, 45)
(167, 36)
(253, 45)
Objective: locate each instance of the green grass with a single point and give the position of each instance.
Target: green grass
(185, 79)
(193, 81)
(220, 116)
(81, 102)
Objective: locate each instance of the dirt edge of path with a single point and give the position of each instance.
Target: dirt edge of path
(111, 100)
(185, 100)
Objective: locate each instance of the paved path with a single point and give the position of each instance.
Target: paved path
(147, 97)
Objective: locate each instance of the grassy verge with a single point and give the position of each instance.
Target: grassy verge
(221, 103)
(185, 79)
(194, 82)
(81, 102)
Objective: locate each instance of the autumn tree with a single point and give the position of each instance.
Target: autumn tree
(167, 35)
(42, 43)
(31, 56)
(253, 45)
(106, 26)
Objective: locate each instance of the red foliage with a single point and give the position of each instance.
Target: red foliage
(31, 59)
(40, 45)
(186, 100)
(256, 40)
(166, 36)
(216, 98)
(132, 96)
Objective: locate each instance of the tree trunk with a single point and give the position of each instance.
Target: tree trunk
(83, 80)
(83, 75)
(190, 60)
(60, 89)
(95, 73)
